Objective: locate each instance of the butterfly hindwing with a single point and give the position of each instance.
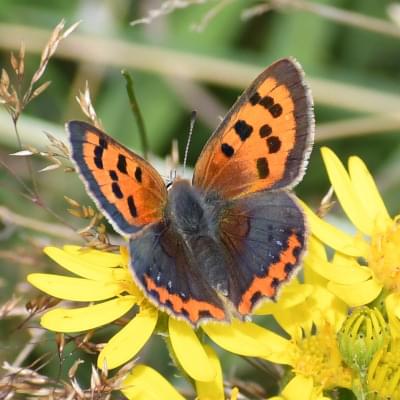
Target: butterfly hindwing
(264, 234)
(125, 187)
(265, 139)
(171, 277)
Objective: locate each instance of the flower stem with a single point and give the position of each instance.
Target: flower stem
(136, 112)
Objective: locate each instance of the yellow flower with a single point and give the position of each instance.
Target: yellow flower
(300, 384)
(144, 383)
(367, 264)
(104, 278)
(384, 373)
(312, 351)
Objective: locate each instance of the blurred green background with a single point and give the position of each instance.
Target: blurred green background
(198, 58)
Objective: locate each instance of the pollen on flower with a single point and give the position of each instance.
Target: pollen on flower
(318, 356)
(384, 258)
(384, 372)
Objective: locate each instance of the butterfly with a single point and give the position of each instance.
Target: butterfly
(213, 248)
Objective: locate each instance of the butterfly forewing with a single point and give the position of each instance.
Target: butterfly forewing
(264, 141)
(126, 187)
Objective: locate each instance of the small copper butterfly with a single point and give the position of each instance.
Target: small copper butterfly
(216, 247)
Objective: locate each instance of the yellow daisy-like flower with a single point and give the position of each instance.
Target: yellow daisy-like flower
(145, 383)
(105, 281)
(367, 264)
(312, 351)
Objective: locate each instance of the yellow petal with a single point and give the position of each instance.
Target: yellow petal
(328, 308)
(189, 351)
(346, 273)
(82, 266)
(245, 338)
(295, 318)
(345, 192)
(129, 340)
(392, 303)
(320, 307)
(84, 318)
(357, 294)
(75, 289)
(317, 249)
(365, 187)
(334, 237)
(291, 295)
(145, 383)
(213, 390)
(299, 384)
(91, 256)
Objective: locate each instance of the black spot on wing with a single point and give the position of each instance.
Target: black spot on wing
(169, 304)
(275, 283)
(297, 250)
(265, 131)
(154, 294)
(98, 156)
(267, 102)
(289, 268)
(121, 165)
(185, 313)
(103, 143)
(204, 314)
(276, 110)
(243, 129)
(227, 149)
(138, 174)
(117, 190)
(262, 167)
(274, 144)
(256, 296)
(113, 175)
(255, 98)
(132, 207)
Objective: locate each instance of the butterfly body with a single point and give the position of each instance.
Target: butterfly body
(189, 211)
(213, 248)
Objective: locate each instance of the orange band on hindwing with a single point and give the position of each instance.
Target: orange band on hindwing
(277, 274)
(190, 308)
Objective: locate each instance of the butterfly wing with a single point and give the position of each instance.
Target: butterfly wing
(259, 151)
(265, 139)
(264, 235)
(171, 275)
(129, 191)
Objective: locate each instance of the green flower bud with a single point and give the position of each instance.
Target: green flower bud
(362, 334)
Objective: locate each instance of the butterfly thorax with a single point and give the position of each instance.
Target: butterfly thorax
(193, 219)
(189, 212)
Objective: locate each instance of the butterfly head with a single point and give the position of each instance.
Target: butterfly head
(171, 179)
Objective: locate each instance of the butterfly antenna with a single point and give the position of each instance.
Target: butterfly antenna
(192, 121)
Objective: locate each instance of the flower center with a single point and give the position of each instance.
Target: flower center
(384, 258)
(318, 356)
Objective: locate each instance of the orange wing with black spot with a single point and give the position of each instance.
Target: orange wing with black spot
(129, 191)
(265, 139)
(255, 156)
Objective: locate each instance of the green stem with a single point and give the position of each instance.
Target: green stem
(136, 112)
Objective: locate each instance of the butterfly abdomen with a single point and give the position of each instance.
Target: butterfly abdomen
(195, 220)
